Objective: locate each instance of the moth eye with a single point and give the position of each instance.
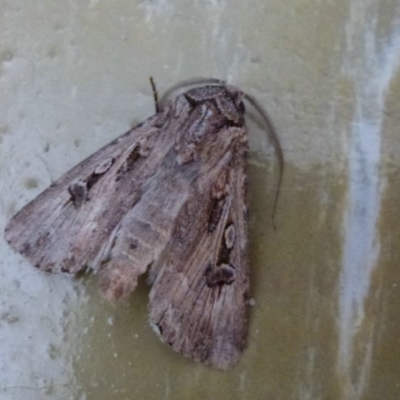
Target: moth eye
(242, 108)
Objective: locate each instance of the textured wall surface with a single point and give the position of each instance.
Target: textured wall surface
(326, 283)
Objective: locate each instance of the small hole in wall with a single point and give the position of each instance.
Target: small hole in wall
(31, 183)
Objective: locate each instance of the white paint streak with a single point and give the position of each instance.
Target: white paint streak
(371, 62)
(155, 9)
(167, 387)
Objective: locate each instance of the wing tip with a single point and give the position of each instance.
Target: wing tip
(222, 352)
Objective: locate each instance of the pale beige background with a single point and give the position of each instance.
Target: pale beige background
(74, 75)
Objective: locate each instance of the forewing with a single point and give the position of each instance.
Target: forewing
(198, 299)
(72, 222)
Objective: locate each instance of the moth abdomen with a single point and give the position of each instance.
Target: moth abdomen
(118, 280)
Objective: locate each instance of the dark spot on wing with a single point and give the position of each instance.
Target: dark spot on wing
(26, 249)
(217, 207)
(79, 192)
(134, 244)
(129, 163)
(218, 275)
(99, 171)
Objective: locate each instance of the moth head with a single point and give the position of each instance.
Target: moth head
(227, 99)
(212, 121)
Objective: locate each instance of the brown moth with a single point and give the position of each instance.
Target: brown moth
(169, 195)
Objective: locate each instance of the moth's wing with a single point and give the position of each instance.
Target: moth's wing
(72, 223)
(198, 298)
(145, 229)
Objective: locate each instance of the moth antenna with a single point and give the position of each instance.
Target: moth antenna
(185, 84)
(155, 94)
(273, 137)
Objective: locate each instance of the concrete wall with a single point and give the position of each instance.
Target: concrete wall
(326, 283)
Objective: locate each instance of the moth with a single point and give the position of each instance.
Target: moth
(170, 196)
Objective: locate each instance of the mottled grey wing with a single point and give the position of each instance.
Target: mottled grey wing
(71, 224)
(198, 298)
